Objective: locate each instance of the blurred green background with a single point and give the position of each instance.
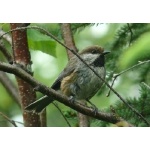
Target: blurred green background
(128, 43)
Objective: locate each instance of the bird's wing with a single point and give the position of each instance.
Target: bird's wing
(67, 71)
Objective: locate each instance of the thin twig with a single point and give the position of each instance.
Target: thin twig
(8, 119)
(131, 33)
(124, 71)
(52, 36)
(62, 114)
(6, 54)
(111, 86)
(6, 36)
(19, 122)
(146, 85)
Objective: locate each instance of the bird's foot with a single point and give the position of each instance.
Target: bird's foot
(95, 109)
(71, 99)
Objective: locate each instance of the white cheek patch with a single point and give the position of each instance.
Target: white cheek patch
(89, 58)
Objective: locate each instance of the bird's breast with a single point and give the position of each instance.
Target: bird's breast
(90, 83)
(83, 83)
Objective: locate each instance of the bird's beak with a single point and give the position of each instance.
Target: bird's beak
(106, 52)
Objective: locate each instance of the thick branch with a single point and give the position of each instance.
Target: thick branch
(22, 58)
(68, 38)
(61, 98)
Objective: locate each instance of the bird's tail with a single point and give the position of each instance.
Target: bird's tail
(39, 105)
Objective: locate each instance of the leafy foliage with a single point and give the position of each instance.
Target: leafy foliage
(141, 104)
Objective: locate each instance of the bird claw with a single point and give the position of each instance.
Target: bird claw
(95, 110)
(36, 88)
(71, 99)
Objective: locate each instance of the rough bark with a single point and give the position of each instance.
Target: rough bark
(22, 58)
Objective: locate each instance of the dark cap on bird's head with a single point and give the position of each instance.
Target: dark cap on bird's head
(95, 49)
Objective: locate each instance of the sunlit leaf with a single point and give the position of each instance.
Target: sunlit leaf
(41, 42)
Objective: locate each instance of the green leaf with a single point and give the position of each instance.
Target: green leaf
(139, 51)
(41, 42)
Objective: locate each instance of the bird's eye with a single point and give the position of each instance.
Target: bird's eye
(94, 51)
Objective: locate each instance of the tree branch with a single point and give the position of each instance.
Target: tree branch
(68, 38)
(14, 69)
(8, 119)
(146, 85)
(62, 114)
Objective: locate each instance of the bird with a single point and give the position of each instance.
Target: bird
(77, 80)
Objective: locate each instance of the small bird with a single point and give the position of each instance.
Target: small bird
(77, 80)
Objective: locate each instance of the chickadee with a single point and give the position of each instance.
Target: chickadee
(77, 80)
